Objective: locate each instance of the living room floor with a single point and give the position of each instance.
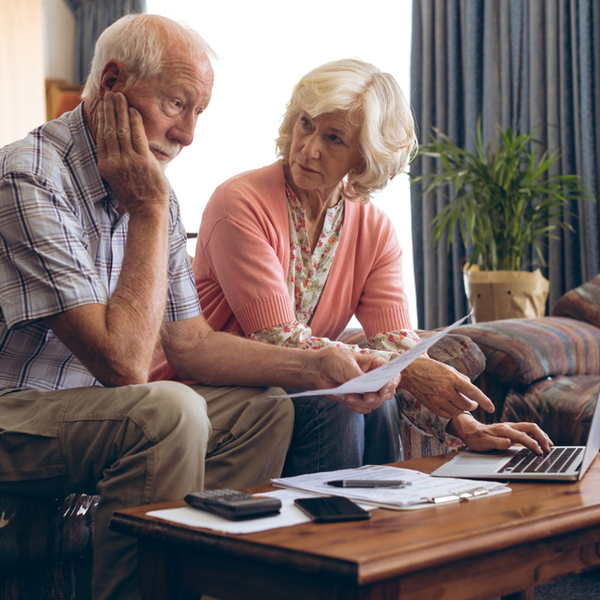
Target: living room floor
(585, 586)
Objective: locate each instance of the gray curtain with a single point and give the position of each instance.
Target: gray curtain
(92, 17)
(523, 63)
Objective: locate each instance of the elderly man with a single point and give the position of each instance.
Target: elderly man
(93, 272)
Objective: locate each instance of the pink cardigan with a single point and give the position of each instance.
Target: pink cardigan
(242, 259)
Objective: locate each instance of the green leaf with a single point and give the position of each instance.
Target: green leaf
(502, 198)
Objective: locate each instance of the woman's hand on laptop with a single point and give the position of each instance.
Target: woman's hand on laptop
(498, 436)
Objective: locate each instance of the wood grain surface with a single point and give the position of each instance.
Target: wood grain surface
(471, 550)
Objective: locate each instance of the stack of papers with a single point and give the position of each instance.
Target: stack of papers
(424, 490)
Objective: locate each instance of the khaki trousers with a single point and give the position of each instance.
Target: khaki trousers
(138, 445)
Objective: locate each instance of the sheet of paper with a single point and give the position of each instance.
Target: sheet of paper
(194, 517)
(374, 380)
(422, 491)
(307, 486)
(289, 515)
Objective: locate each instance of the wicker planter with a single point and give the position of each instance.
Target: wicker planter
(497, 295)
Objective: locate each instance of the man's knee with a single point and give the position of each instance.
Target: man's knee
(281, 408)
(168, 408)
(273, 416)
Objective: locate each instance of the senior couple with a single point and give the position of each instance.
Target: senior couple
(98, 298)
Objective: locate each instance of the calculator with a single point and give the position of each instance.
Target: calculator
(234, 505)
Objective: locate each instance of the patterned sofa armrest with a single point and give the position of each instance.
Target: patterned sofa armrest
(522, 351)
(458, 351)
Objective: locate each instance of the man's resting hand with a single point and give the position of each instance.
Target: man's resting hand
(336, 366)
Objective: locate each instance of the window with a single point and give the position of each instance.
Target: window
(264, 48)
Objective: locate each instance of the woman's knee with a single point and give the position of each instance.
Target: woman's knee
(330, 418)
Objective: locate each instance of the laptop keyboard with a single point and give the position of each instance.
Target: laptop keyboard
(558, 460)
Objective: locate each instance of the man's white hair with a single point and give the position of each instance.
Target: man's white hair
(140, 43)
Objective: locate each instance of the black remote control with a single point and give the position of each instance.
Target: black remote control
(234, 505)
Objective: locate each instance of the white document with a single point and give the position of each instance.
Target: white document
(420, 494)
(374, 380)
(424, 490)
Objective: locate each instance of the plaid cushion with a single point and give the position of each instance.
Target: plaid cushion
(521, 351)
(561, 406)
(582, 303)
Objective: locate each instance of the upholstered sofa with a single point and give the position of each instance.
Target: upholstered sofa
(545, 370)
(46, 544)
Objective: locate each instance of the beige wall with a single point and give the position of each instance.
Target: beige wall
(37, 40)
(22, 95)
(59, 40)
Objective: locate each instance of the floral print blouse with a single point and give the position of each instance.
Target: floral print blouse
(306, 279)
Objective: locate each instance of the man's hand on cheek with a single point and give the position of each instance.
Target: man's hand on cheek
(124, 157)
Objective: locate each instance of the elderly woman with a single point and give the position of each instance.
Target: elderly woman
(287, 254)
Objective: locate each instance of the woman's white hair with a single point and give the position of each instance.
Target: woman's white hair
(374, 102)
(140, 43)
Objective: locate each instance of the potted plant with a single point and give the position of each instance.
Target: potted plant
(504, 200)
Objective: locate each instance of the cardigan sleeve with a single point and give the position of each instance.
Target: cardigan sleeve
(383, 304)
(242, 249)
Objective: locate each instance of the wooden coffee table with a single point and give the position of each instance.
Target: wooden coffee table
(498, 546)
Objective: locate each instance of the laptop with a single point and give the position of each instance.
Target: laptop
(563, 463)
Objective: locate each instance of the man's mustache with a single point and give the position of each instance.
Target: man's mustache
(171, 150)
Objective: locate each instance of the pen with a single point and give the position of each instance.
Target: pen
(368, 483)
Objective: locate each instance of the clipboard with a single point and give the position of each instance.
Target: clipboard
(424, 490)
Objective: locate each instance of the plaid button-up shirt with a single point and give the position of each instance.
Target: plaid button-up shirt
(62, 242)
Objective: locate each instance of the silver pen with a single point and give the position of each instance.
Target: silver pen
(368, 483)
